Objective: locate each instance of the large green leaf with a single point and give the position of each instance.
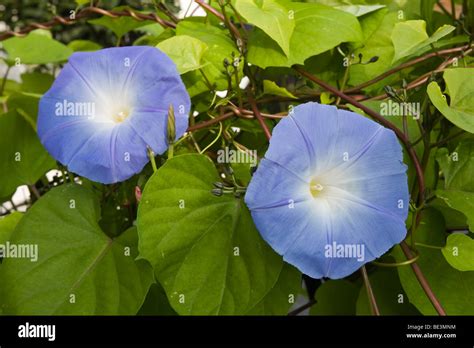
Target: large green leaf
(26, 104)
(317, 29)
(457, 168)
(83, 46)
(270, 16)
(462, 201)
(35, 82)
(359, 10)
(454, 219)
(451, 287)
(459, 252)
(432, 229)
(38, 47)
(406, 36)
(377, 29)
(79, 269)
(23, 160)
(336, 297)
(283, 294)
(460, 87)
(410, 37)
(185, 51)
(7, 225)
(220, 47)
(205, 250)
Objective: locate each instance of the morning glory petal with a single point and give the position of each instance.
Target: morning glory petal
(106, 107)
(308, 224)
(287, 186)
(352, 190)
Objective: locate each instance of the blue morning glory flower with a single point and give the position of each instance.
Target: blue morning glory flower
(106, 107)
(331, 193)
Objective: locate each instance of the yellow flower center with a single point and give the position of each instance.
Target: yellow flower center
(120, 115)
(315, 187)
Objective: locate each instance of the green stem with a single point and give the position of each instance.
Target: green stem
(206, 80)
(429, 246)
(4, 81)
(239, 92)
(151, 155)
(214, 141)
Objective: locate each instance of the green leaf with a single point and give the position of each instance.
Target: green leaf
(458, 180)
(377, 28)
(410, 37)
(439, 34)
(359, 10)
(205, 250)
(153, 29)
(36, 48)
(453, 218)
(74, 258)
(451, 287)
(185, 51)
(432, 229)
(335, 297)
(459, 252)
(458, 166)
(82, 2)
(317, 29)
(220, 47)
(460, 87)
(120, 25)
(270, 16)
(26, 104)
(83, 46)
(406, 36)
(35, 82)
(7, 225)
(462, 201)
(390, 297)
(270, 87)
(23, 160)
(283, 294)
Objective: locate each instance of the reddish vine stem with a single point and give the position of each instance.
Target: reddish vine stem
(259, 116)
(425, 77)
(374, 308)
(210, 122)
(84, 13)
(243, 113)
(419, 274)
(404, 66)
(422, 280)
(235, 31)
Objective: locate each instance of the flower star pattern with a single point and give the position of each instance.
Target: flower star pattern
(106, 107)
(331, 193)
